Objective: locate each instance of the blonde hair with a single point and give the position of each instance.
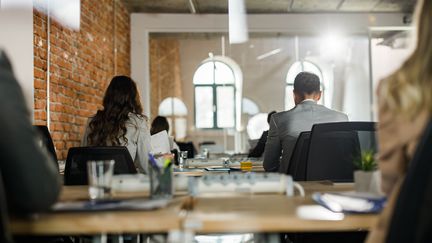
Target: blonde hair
(409, 90)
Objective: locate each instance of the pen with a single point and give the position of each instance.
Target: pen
(153, 163)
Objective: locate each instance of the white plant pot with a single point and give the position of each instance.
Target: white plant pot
(367, 181)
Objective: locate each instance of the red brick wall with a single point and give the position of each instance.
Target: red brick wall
(165, 76)
(82, 64)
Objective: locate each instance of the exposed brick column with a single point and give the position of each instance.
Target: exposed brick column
(165, 76)
(82, 64)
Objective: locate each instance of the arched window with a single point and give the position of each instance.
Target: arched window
(249, 107)
(175, 111)
(215, 95)
(296, 68)
(257, 125)
(172, 106)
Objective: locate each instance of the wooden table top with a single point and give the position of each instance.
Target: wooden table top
(212, 213)
(231, 213)
(75, 223)
(161, 220)
(264, 213)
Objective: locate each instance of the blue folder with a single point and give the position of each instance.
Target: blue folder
(350, 202)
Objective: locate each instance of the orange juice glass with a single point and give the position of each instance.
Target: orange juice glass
(246, 165)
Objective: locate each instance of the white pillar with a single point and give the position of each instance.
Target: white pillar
(16, 39)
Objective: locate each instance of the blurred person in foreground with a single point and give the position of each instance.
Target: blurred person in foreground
(405, 107)
(286, 126)
(121, 122)
(258, 150)
(31, 180)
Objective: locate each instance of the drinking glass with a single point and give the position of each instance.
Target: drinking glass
(246, 165)
(100, 178)
(182, 159)
(161, 181)
(205, 153)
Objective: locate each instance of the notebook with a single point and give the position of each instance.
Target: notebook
(350, 202)
(109, 205)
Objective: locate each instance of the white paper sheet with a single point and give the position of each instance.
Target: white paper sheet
(160, 143)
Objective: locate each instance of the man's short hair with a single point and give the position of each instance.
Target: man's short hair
(306, 83)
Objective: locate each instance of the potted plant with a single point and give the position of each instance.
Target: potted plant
(367, 177)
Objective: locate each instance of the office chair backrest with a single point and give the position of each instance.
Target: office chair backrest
(5, 235)
(46, 141)
(187, 146)
(412, 215)
(333, 148)
(207, 143)
(212, 148)
(76, 162)
(297, 165)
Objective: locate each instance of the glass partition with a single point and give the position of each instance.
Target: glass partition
(269, 63)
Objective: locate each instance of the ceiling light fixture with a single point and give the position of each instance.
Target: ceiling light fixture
(192, 7)
(268, 54)
(238, 30)
(66, 12)
(333, 45)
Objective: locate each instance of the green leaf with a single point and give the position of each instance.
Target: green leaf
(366, 161)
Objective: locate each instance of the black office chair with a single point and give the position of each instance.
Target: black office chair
(334, 146)
(47, 142)
(187, 146)
(207, 143)
(5, 235)
(76, 162)
(297, 164)
(412, 215)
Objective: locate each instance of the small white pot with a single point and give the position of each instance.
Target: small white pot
(367, 181)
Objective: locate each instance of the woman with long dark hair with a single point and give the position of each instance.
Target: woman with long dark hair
(120, 122)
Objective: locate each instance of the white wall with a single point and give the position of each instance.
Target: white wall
(356, 83)
(385, 60)
(16, 38)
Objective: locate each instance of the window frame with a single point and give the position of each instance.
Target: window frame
(214, 87)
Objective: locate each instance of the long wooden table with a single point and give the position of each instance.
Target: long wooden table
(264, 213)
(210, 213)
(113, 222)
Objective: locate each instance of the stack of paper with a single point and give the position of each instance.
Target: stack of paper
(160, 143)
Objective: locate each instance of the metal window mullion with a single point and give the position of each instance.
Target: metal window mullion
(195, 108)
(215, 108)
(235, 106)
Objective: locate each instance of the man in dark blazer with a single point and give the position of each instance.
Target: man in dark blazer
(30, 178)
(286, 126)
